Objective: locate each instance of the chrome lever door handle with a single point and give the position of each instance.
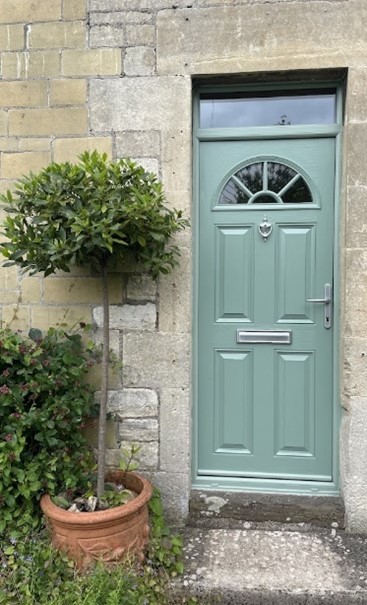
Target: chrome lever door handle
(319, 300)
(327, 302)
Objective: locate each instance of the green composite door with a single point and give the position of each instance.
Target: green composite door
(264, 351)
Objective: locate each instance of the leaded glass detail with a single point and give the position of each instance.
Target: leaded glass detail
(266, 183)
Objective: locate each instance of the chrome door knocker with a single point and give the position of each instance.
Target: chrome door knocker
(265, 228)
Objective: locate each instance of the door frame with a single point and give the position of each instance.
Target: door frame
(253, 133)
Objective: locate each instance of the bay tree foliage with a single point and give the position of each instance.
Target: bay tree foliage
(88, 213)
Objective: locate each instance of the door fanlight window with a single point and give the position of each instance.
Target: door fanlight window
(266, 182)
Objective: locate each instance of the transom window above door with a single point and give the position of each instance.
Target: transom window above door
(263, 108)
(266, 182)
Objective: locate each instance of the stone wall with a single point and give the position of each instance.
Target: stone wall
(116, 75)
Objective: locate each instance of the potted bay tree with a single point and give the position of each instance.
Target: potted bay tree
(93, 212)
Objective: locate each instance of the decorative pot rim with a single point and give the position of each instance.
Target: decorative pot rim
(102, 517)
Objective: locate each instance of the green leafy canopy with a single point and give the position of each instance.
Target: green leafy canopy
(75, 214)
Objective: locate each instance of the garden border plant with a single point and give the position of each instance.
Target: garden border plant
(43, 402)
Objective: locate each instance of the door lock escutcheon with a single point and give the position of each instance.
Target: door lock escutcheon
(327, 301)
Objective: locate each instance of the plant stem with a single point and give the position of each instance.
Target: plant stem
(104, 383)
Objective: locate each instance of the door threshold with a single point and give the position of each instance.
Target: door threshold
(242, 509)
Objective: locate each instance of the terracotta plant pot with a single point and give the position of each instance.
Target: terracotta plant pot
(109, 535)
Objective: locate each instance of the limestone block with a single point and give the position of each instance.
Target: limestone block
(356, 292)
(140, 35)
(139, 61)
(34, 144)
(133, 5)
(74, 9)
(15, 165)
(133, 403)
(8, 144)
(17, 317)
(68, 149)
(175, 296)
(81, 290)
(141, 287)
(28, 11)
(356, 217)
(140, 103)
(91, 433)
(9, 278)
(129, 317)
(60, 34)
(355, 136)
(3, 122)
(175, 489)
(147, 458)
(30, 290)
(54, 121)
(91, 62)
(355, 104)
(43, 317)
(175, 412)
(177, 159)
(11, 37)
(33, 64)
(354, 368)
(139, 17)
(149, 164)
(107, 35)
(115, 338)
(68, 92)
(138, 429)
(138, 143)
(156, 360)
(23, 94)
(354, 468)
(181, 199)
(207, 39)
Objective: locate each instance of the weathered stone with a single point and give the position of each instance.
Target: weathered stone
(133, 403)
(355, 138)
(356, 217)
(153, 360)
(357, 84)
(356, 292)
(175, 489)
(141, 287)
(141, 35)
(106, 35)
(175, 430)
(175, 296)
(139, 61)
(138, 143)
(147, 458)
(68, 149)
(91, 62)
(129, 317)
(355, 368)
(138, 429)
(149, 164)
(130, 103)
(211, 508)
(354, 468)
(176, 159)
(133, 5)
(115, 338)
(208, 39)
(120, 18)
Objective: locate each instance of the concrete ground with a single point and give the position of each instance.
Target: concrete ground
(275, 565)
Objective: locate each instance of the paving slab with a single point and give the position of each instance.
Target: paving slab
(276, 566)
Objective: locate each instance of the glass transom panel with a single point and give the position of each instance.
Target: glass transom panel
(239, 110)
(266, 182)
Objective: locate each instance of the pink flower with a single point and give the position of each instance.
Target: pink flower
(4, 390)
(8, 437)
(6, 372)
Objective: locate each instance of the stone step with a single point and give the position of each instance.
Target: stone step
(275, 566)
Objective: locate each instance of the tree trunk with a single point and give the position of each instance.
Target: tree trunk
(104, 384)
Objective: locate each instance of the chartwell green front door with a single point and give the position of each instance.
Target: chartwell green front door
(265, 351)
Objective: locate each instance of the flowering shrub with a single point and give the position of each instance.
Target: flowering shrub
(43, 401)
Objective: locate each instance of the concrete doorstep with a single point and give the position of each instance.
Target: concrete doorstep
(273, 565)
